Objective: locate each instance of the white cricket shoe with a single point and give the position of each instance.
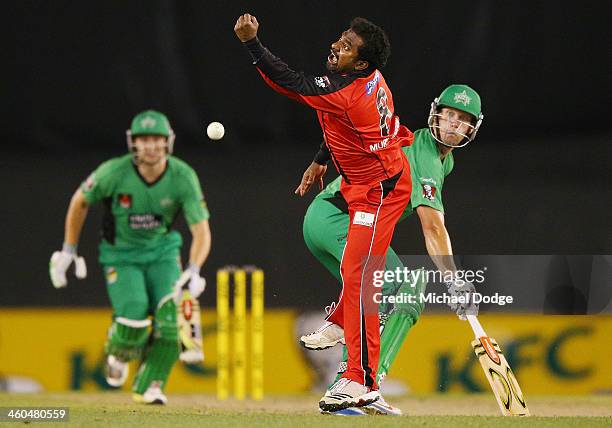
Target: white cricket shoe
(347, 393)
(328, 335)
(153, 395)
(116, 371)
(351, 411)
(381, 407)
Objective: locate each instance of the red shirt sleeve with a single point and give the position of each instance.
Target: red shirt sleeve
(329, 93)
(405, 136)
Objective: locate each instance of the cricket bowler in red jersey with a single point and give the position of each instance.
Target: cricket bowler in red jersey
(362, 137)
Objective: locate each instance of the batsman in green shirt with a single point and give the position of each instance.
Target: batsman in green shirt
(142, 193)
(454, 120)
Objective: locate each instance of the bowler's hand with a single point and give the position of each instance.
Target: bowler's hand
(314, 173)
(246, 27)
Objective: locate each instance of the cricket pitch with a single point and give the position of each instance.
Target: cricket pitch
(116, 409)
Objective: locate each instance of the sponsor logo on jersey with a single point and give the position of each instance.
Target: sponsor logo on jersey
(372, 83)
(166, 202)
(462, 98)
(364, 219)
(125, 200)
(322, 81)
(428, 180)
(145, 221)
(148, 122)
(111, 275)
(429, 192)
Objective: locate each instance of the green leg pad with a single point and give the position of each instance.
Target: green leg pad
(391, 341)
(164, 349)
(411, 308)
(127, 338)
(399, 323)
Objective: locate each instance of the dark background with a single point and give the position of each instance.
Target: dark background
(535, 181)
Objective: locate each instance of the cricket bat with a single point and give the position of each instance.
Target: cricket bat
(497, 371)
(189, 323)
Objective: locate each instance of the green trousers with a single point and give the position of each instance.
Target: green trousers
(137, 290)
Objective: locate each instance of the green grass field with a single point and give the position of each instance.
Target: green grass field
(117, 410)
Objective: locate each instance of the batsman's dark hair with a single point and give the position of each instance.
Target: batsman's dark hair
(376, 47)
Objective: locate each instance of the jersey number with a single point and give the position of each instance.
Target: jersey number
(383, 111)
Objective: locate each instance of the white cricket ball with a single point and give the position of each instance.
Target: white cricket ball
(215, 131)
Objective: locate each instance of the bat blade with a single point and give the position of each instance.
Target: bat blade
(500, 376)
(190, 329)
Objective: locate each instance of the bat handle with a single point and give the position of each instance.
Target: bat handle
(185, 276)
(476, 327)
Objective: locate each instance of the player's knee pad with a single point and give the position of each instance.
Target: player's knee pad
(127, 338)
(165, 320)
(164, 349)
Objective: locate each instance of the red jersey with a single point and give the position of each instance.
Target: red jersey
(355, 112)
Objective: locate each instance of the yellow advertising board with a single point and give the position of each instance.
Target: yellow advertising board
(62, 350)
(549, 354)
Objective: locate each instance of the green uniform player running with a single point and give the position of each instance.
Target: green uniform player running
(454, 120)
(142, 193)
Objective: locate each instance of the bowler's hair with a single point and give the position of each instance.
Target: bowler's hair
(376, 47)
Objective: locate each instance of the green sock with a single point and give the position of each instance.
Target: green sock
(341, 367)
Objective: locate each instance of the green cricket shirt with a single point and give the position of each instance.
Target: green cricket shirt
(427, 170)
(139, 215)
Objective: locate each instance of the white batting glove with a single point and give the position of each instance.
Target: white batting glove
(464, 290)
(197, 284)
(59, 264)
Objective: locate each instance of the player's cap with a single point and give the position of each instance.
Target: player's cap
(150, 122)
(461, 97)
